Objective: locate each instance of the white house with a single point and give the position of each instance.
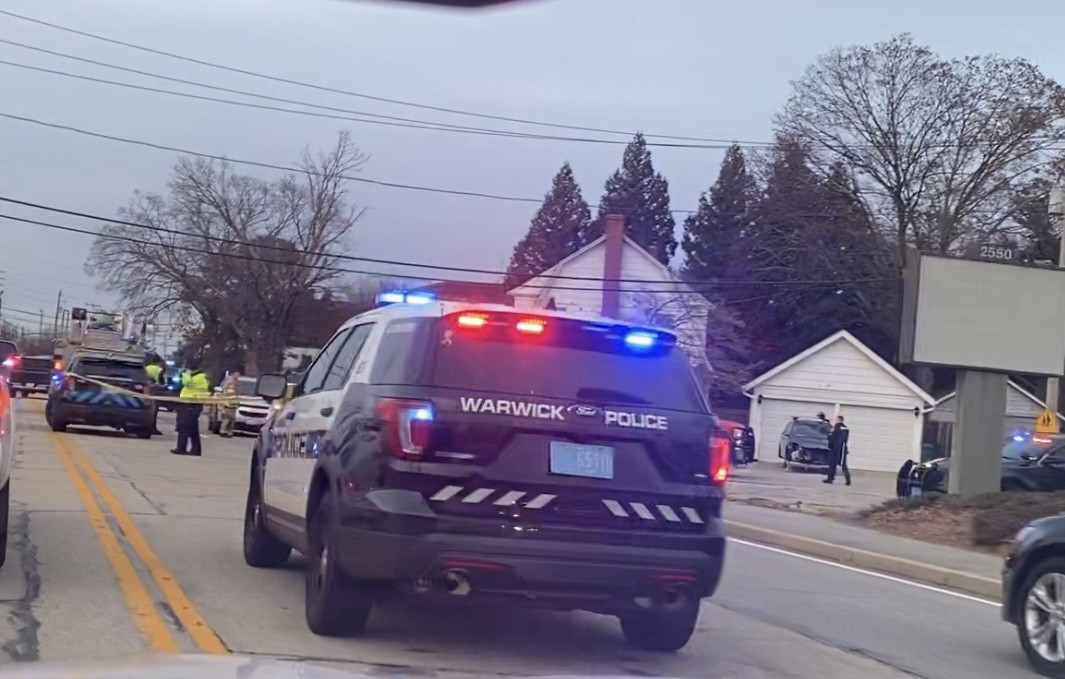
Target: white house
(1022, 409)
(841, 376)
(616, 278)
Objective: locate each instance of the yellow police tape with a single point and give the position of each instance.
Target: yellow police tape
(153, 397)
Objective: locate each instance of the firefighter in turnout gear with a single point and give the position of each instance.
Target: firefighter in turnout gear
(194, 385)
(229, 405)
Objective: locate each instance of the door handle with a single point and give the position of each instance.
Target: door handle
(327, 411)
(290, 415)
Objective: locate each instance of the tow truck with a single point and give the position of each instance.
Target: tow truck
(98, 378)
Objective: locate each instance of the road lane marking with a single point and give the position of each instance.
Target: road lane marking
(139, 602)
(855, 569)
(190, 618)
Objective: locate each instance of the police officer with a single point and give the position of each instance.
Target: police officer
(156, 376)
(837, 451)
(194, 385)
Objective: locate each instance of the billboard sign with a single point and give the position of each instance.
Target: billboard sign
(981, 315)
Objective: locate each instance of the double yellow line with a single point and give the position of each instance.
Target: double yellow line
(139, 601)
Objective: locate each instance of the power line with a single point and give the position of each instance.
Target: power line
(267, 246)
(360, 95)
(337, 269)
(409, 123)
(369, 117)
(281, 168)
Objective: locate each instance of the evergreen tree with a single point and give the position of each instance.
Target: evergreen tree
(555, 231)
(642, 195)
(711, 232)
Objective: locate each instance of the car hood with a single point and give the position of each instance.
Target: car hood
(253, 402)
(812, 442)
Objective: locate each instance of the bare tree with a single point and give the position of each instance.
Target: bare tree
(239, 251)
(939, 146)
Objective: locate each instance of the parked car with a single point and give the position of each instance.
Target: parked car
(1033, 593)
(804, 443)
(29, 374)
(252, 410)
(1029, 462)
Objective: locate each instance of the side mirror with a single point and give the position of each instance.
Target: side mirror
(271, 387)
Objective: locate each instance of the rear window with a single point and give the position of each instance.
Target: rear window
(574, 361)
(101, 367)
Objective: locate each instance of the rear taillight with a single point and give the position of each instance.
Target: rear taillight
(720, 459)
(408, 426)
(11, 361)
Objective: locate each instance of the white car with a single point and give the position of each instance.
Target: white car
(252, 410)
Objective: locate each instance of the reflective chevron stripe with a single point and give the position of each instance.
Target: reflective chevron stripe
(517, 498)
(642, 511)
(480, 495)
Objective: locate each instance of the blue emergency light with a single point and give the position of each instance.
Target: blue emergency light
(401, 297)
(640, 339)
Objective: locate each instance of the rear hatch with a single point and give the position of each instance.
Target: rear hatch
(570, 421)
(127, 375)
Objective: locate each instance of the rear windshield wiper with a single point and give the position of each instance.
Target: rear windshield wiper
(596, 394)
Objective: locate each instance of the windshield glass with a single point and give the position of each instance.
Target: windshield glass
(1028, 448)
(806, 429)
(7, 349)
(100, 367)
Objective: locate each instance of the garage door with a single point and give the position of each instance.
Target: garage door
(775, 415)
(881, 439)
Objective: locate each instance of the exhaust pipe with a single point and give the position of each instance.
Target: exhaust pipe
(667, 599)
(456, 582)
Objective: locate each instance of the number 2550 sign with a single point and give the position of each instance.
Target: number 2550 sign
(996, 252)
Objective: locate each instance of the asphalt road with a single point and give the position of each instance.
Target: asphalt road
(119, 548)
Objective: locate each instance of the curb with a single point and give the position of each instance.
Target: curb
(976, 585)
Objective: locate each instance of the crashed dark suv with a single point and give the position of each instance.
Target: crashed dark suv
(475, 451)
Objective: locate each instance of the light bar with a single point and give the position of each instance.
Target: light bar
(472, 320)
(531, 326)
(400, 297)
(640, 339)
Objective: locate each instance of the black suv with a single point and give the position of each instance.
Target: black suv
(479, 451)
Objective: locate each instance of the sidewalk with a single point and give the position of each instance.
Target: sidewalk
(968, 571)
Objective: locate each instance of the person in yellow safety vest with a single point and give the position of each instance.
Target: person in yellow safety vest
(155, 371)
(231, 395)
(194, 385)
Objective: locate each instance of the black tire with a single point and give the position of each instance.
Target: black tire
(1045, 667)
(5, 510)
(661, 631)
(261, 549)
(144, 433)
(57, 424)
(336, 605)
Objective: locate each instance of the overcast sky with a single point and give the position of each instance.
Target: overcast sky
(697, 68)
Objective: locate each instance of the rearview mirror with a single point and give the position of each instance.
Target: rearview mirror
(271, 387)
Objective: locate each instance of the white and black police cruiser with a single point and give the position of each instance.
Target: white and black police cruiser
(450, 449)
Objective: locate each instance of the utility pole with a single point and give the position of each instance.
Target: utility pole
(40, 331)
(58, 308)
(1056, 212)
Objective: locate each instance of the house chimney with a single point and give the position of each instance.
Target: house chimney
(615, 239)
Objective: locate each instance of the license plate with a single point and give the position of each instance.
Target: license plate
(915, 491)
(30, 385)
(574, 459)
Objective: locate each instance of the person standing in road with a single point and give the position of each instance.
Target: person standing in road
(155, 370)
(194, 385)
(837, 451)
(748, 443)
(230, 394)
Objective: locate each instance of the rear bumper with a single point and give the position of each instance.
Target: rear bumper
(603, 568)
(104, 416)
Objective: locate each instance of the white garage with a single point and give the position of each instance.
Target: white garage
(841, 376)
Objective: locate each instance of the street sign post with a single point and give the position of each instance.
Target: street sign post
(1046, 423)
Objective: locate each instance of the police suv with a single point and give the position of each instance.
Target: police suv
(455, 450)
